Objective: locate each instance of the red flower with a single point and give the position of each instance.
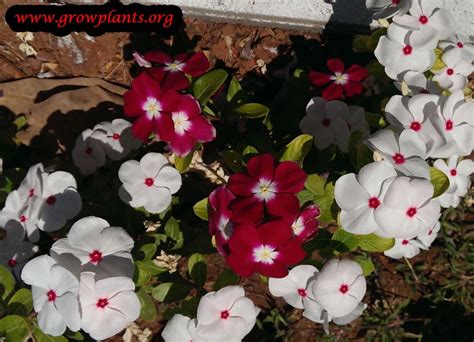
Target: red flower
(268, 249)
(343, 81)
(189, 127)
(220, 224)
(151, 104)
(171, 72)
(266, 186)
(304, 223)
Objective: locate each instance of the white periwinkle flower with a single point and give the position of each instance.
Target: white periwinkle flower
(403, 50)
(54, 291)
(88, 153)
(360, 195)
(103, 249)
(404, 248)
(32, 184)
(454, 75)
(14, 251)
(179, 329)
(406, 152)
(427, 239)
(117, 138)
(225, 314)
(384, 9)
(417, 83)
(107, 305)
(149, 183)
(459, 41)
(407, 209)
(293, 287)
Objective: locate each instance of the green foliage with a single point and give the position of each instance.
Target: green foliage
(297, 149)
(439, 180)
(148, 250)
(323, 196)
(142, 275)
(374, 243)
(173, 231)
(170, 292)
(148, 309)
(42, 337)
(21, 303)
(234, 89)
(359, 153)
(197, 268)
(366, 264)
(7, 282)
(226, 278)
(344, 241)
(252, 110)
(182, 163)
(438, 64)
(14, 328)
(208, 84)
(200, 209)
(365, 44)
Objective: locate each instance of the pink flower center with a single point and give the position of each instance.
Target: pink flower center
(398, 158)
(89, 151)
(416, 126)
(344, 288)
(405, 242)
(95, 256)
(450, 71)
(51, 296)
(449, 125)
(116, 136)
(423, 19)
(149, 182)
(23, 218)
(302, 292)
(411, 212)
(407, 50)
(453, 172)
(51, 200)
(430, 232)
(225, 314)
(395, 2)
(326, 122)
(32, 192)
(424, 91)
(374, 202)
(12, 263)
(102, 303)
(460, 45)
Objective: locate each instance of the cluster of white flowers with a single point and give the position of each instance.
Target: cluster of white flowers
(149, 183)
(43, 202)
(333, 122)
(86, 281)
(225, 315)
(108, 139)
(334, 294)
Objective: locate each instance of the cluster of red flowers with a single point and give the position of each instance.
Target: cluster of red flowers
(160, 105)
(257, 220)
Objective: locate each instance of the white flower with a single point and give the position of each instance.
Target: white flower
(459, 41)
(179, 329)
(104, 249)
(225, 314)
(403, 50)
(459, 176)
(32, 184)
(332, 122)
(108, 305)
(417, 83)
(360, 195)
(293, 287)
(454, 75)
(339, 287)
(427, 239)
(14, 252)
(404, 248)
(407, 209)
(54, 291)
(384, 9)
(406, 152)
(117, 138)
(88, 153)
(456, 123)
(60, 201)
(427, 16)
(149, 183)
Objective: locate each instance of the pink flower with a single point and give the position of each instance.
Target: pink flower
(220, 224)
(189, 127)
(148, 101)
(171, 72)
(342, 81)
(305, 223)
(268, 249)
(266, 186)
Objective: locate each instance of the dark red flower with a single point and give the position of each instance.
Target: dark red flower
(220, 224)
(266, 185)
(268, 249)
(342, 81)
(305, 223)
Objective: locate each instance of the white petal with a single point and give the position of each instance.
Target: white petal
(170, 178)
(158, 199)
(151, 163)
(176, 329)
(51, 321)
(131, 172)
(68, 306)
(349, 194)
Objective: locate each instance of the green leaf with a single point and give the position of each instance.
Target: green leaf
(374, 243)
(40, 336)
(173, 231)
(200, 209)
(439, 180)
(359, 44)
(208, 84)
(367, 265)
(374, 38)
(359, 153)
(297, 149)
(14, 328)
(234, 88)
(226, 278)
(182, 163)
(148, 309)
(148, 250)
(438, 64)
(152, 268)
(233, 160)
(304, 196)
(170, 292)
(7, 282)
(142, 276)
(249, 152)
(323, 196)
(21, 303)
(344, 241)
(74, 335)
(197, 268)
(252, 110)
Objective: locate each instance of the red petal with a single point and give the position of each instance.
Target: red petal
(142, 127)
(201, 129)
(357, 73)
(352, 88)
(283, 205)
(241, 184)
(275, 233)
(309, 216)
(163, 126)
(262, 166)
(318, 78)
(133, 104)
(196, 65)
(189, 105)
(274, 270)
(247, 210)
(241, 264)
(145, 85)
(336, 65)
(183, 144)
(170, 101)
(333, 92)
(158, 57)
(175, 80)
(291, 253)
(245, 237)
(289, 178)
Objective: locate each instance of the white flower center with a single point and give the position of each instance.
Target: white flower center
(265, 189)
(152, 107)
(339, 78)
(181, 122)
(175, 66)
(226, 227)
(265, 254)
(298, 226)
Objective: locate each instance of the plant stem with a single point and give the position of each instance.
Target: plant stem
(412, 270)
